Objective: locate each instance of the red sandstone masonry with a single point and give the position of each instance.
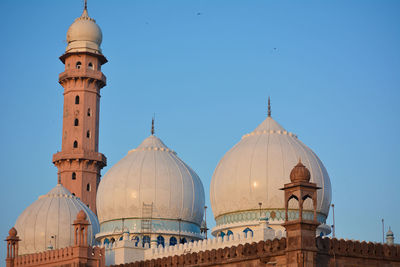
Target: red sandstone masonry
(356, 253)
(70, 255)
(255, 254)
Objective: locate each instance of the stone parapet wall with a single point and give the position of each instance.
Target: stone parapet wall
(209, 244)
(355, 253)
(262, 253)
(92, 256)
(127, 250)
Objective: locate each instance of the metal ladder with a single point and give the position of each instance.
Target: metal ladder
(147, 214)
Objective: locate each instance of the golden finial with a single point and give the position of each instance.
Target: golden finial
(269, 107)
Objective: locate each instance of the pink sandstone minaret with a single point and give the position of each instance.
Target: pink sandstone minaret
(79, 162)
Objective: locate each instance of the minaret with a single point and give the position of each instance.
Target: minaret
(79, 162)
(389, 237)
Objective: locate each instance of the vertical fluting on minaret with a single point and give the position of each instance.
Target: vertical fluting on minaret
(79, 163)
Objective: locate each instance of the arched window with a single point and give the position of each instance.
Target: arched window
(77, 99)
(73, 194)
(294, 208)
(222, 234)
(248, 231)
(90, 65)
(75, 144)
(76, 122)
(183, 241)
(146, 240)
(121, 237)
(172, 241)
(112, 240)
(88, 187)
(73, 176)
(160, 241)
(88, 134)
(78, 65)
(88, 206)
(106, 241)
(137, 239)
(229, 233)
(88, 112)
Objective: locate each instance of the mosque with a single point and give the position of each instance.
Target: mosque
(270, 195)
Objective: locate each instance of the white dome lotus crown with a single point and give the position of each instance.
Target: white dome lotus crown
(151, 173)
(259, 165)
(84, 35)
(48, 221)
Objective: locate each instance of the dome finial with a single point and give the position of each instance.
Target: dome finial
(152, 124)
(269, 107)
(85, 12)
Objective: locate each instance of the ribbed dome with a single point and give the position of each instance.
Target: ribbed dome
(151, 173)
(52, 215)
(84, 35)
(256, 167)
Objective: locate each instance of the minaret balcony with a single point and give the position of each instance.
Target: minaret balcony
(80, 155)
(83, 74)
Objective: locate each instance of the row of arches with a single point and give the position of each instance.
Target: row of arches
(146, 240)
(78, 65)
(229, 232)
(298, 205)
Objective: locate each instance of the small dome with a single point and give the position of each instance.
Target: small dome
(81, 216)
(12, 232)
(84, 35)
(300, 173)
(48, 221)
(151, 174)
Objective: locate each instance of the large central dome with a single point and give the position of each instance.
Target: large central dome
(254, 170)
(150, 179)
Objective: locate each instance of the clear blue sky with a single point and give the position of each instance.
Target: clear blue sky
(206, 69)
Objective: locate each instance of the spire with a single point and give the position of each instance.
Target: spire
(152, 126)
(85, 12)
(269, 107)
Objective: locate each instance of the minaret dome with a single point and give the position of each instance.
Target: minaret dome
(84, 35)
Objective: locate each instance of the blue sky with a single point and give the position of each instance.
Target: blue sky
(206, 69)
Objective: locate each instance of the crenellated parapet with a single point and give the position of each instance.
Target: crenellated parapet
(356, 249)
(128, 249)
(263, 252)
(69, 255)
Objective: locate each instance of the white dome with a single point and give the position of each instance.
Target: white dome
(52, 215)
(151, 173)
(256, 168)
(84, 35)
